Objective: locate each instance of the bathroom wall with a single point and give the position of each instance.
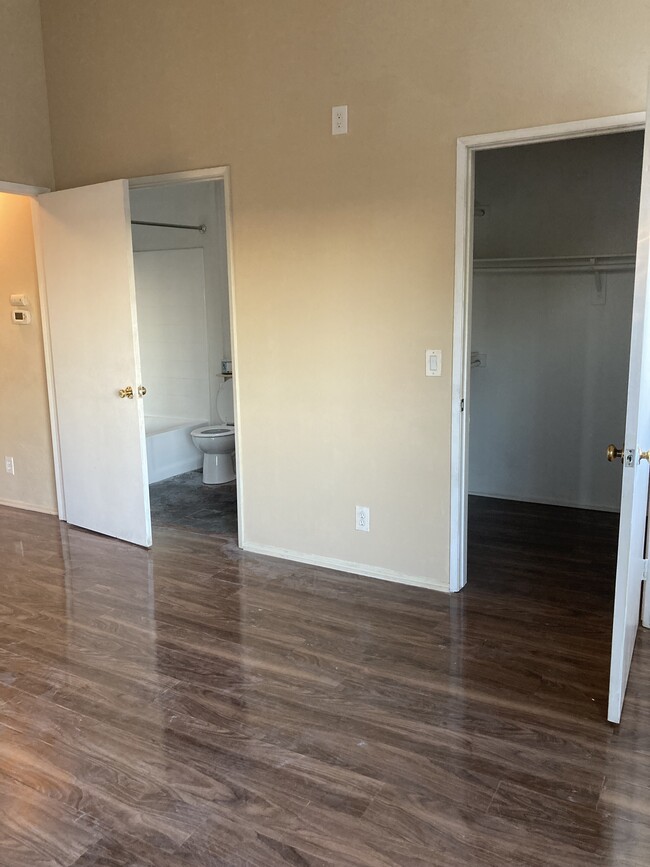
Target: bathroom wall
(171, 301)
(553, 393)
(192, 204)
(25, 146)
(24, 415)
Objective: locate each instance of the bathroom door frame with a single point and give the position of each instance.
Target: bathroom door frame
(219, 173)
(466, 148)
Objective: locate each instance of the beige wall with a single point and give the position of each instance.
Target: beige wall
(25, 158)
(24, 418)
(25, 155)
(343, 247)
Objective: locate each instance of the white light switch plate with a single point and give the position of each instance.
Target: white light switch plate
(433, 362)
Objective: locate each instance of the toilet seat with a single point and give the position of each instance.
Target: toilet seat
(213, 431)
(217, 441)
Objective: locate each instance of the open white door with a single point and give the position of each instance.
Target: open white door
(86, 265)
(636, 464)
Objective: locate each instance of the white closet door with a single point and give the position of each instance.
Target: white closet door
(634, 496)
(87, 270)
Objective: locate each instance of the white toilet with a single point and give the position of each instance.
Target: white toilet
(217, 441)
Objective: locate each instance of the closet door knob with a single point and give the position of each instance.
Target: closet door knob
(141, 391)
(126, 392)
(613, 453)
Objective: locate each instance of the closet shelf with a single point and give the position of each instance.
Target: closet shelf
(558, 264)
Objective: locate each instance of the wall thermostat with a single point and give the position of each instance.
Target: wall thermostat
(21, 317)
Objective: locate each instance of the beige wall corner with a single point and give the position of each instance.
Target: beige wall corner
(25, 147)
(24, 419)
(343, 246)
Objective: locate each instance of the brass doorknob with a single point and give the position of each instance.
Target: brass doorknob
(613, 453)
(126, 392)
(141, 391)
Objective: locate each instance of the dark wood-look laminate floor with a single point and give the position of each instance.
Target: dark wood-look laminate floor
(195, 705)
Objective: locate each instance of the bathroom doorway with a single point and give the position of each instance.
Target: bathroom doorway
(85, 251)
(180, 252)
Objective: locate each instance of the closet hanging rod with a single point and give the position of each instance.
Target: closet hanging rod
(202, 228)
(558, 264)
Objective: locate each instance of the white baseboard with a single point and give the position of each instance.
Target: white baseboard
(545, 502)
(346, 566)
(29, 507)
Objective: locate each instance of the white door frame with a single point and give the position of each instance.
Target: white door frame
(466, 148)
(220, 173)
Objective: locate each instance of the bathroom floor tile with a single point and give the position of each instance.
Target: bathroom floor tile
(185, 502)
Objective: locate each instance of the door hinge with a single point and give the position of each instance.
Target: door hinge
(462, 405)
(644, 576)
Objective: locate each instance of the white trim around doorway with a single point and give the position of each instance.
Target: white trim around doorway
(466, 148)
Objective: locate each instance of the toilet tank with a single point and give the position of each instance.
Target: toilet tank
(226, 403)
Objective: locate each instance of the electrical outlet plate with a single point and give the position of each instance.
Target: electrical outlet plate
(9, 465)
(363, 518)
(339, 120)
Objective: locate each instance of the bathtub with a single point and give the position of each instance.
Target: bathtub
(170, 450)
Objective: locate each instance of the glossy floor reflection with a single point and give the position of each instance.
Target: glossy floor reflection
(195, 705)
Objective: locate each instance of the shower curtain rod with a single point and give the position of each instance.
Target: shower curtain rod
(202, 228)
(558, 264)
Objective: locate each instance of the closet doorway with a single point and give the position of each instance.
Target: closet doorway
(555, 231)
(550, 327)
